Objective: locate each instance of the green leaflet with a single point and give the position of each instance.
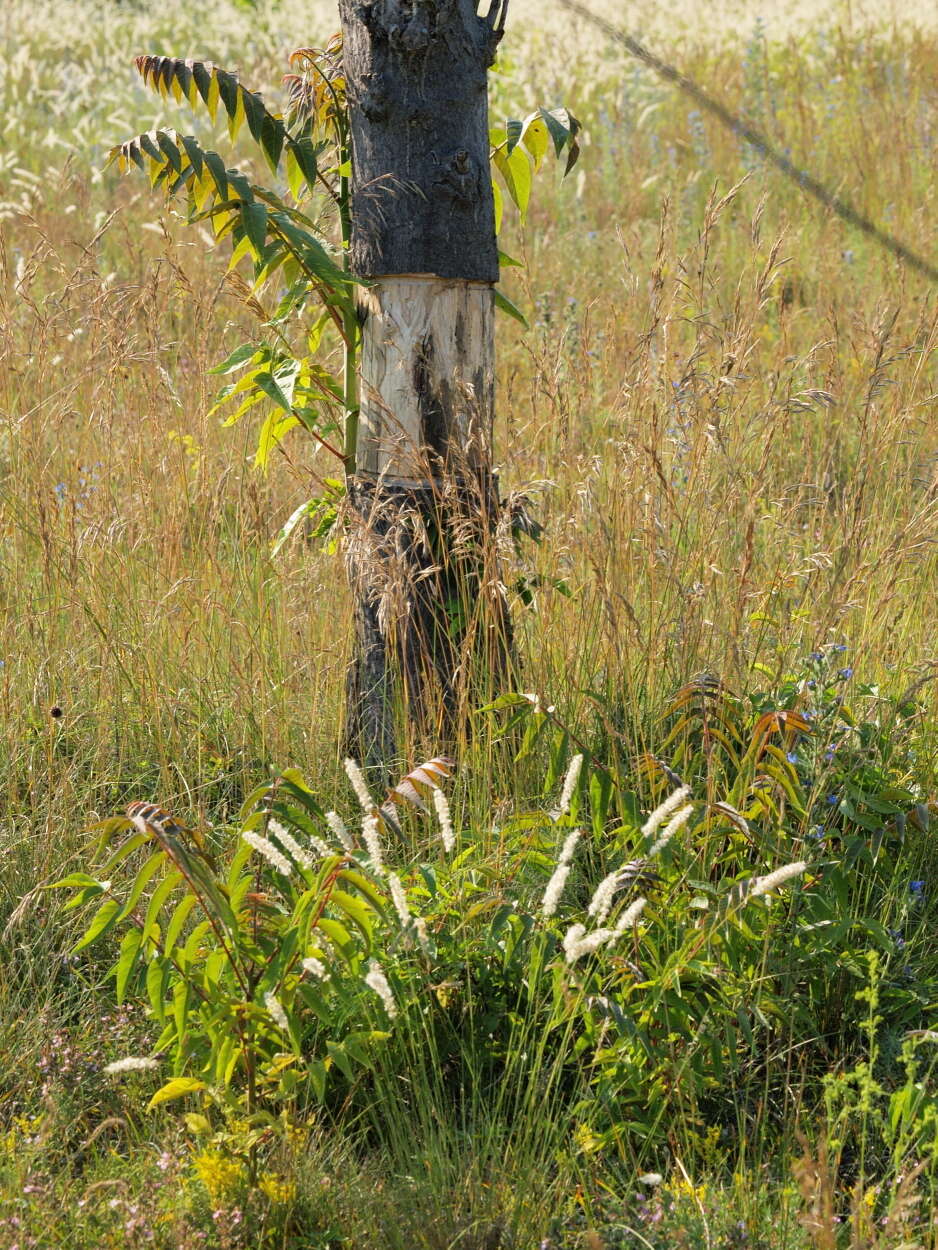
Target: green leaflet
(278, 387)
(75, 880)
(247, 353)
(536, 138)
(193, 952)
(273, 431)
(563, 127)
(103, 918)
(254, 217)
(126, 848)
(515, 169)
(130, 953)
(339, 936)
(180, 1011)
(158, 971)
(225, 1056)
(357, 911)
(504, 303)
(364, 885)
(141, 881)
(178, 1087)
(499, 206)
(176, 924)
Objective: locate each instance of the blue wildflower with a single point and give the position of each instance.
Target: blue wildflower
(792, 757)
(838, 646)
(917, 888)
(833, 799)
(845, 673)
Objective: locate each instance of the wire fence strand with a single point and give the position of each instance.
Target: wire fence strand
(801, 177)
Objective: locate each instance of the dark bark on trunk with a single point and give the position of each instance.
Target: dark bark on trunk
(424, 560)
(431, 620)
(417, 88)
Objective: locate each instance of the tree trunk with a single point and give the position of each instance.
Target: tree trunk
(430, 616)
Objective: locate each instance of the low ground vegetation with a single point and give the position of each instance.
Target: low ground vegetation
(533, 1016)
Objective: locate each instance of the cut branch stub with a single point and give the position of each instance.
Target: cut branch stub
(416, 82)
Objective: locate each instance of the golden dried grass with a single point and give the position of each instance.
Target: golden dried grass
(729, 402)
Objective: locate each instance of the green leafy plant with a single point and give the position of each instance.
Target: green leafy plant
(722, 989)
(260, 971)
(293, 234)
(578, 964)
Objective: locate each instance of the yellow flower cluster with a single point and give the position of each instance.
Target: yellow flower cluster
(682, 1188)
(276, 1188)
(222, 1178)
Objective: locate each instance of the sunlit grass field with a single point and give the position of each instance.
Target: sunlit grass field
(723, 412)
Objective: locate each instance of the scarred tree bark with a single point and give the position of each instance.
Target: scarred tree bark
(429, 602)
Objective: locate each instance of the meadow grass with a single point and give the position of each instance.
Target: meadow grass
(723, 412)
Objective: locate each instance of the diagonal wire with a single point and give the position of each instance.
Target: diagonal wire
(757, 140)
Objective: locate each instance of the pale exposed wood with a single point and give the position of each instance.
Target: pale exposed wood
(428, 377)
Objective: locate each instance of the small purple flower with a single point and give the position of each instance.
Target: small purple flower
(812, 684)
(817, 656)
(833, 799)
(917, 888)
(838, 647)
(845, 674)
(792, 757)
(817, 833)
